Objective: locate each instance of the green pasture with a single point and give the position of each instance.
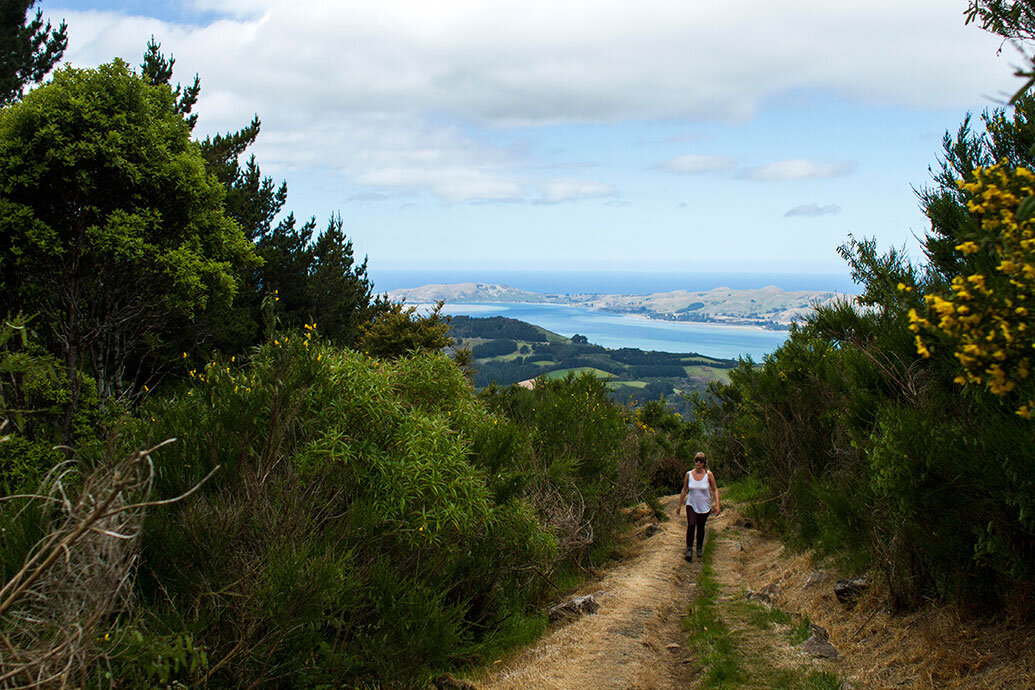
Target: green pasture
(561, 373)
(615, 385)
(707, 373)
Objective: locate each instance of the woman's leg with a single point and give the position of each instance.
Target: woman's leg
(691, 520)
(700, 519)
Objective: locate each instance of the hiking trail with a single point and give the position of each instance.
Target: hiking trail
(765, 597)
(635, 640)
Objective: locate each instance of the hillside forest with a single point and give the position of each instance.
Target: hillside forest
(226, 461)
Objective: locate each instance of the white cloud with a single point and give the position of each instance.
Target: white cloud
(454, 185)
(235, 8)
(363, 88)
(797, 169)
(568, 189)
(814, 210)
(694, 164)
(543, 61)
(451, 185)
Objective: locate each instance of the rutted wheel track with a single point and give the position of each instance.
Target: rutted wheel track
(634, 641)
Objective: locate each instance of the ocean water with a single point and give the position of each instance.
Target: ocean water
(617, 330)
(614, 330)
(610, 282)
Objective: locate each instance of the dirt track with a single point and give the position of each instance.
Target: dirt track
(636, 639)
(628, 642)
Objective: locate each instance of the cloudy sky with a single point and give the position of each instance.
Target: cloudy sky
(743, 135)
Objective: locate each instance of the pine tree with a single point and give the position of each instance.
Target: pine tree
(287, 252)
(339, 290)
(28, 50)
(157, 70)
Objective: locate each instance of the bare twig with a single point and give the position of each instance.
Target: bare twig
(79, 574)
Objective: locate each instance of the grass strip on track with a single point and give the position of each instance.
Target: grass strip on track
(709, 636)
(725, 657)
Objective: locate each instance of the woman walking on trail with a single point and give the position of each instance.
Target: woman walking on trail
(698, 485)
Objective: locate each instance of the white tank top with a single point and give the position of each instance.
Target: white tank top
(698, 496)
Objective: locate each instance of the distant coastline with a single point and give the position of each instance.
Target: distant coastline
(618, 331)
(491, 307)
(610, 281)
(769, 308)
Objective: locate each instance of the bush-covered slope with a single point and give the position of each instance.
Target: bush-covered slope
(368, 521)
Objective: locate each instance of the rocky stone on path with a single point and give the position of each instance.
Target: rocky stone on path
(449, 682)
(821, 649)
(745, 523)
(847, 591)
(818, 645)
(814, 578)
(765, 595)
(573, 608)
(752, 595)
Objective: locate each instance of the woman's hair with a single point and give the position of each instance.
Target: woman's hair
(702, 457)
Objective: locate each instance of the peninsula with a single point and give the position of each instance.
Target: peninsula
(768, 307)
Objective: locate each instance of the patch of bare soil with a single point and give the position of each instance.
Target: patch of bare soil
(633, 641)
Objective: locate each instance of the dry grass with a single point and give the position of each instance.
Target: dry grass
(626, 643)
(78, 577)
(937, 647)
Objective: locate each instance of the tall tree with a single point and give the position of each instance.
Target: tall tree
(339, 290)
(1014, 20)
(156, 69)
(111, 225)
(28, 49)
(251, 199)
(314, 280)
(287, 253)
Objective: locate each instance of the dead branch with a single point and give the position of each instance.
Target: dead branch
(78, 577)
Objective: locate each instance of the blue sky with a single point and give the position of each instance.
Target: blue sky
(745, 135)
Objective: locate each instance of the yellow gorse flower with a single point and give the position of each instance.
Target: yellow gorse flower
(983, 316)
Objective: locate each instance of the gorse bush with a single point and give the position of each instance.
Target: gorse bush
(575, 465)
(349, 532)
(896, 433)
(984, 316)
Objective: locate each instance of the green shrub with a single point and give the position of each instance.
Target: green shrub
(348, 534)
(35, 399)
(575, 462)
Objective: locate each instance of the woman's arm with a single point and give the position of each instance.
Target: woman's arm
(682, 496)
(715, 491)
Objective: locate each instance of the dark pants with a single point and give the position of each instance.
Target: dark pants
(695, 521)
